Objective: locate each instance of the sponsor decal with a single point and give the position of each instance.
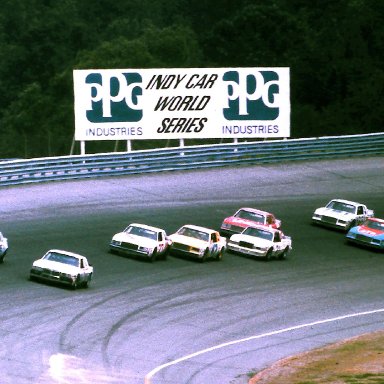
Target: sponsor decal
(370, 231)
(252, 95)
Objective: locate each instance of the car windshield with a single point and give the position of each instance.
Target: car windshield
(374, 225)
(340, 206)
(195, 233)
(140, 231)
(62, 258)
(257, 232)
(248, 215)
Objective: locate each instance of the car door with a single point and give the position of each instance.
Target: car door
(85, 270)
(277, 245)
(161, 238)
(215, 245)
(361, 215)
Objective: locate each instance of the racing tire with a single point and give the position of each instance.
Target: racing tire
(268, 256)
(205, 256)
(153, 256)
(219, 256)
(284, 254)
(86, 283)
(75, 284)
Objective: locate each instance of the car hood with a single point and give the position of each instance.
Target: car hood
(333, 213)
(55, 266)
(191, 241)
(134, 239)
(258, 241)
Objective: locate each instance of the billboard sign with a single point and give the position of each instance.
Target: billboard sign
(124, 104)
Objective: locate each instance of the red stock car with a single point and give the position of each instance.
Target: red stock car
(245, 217)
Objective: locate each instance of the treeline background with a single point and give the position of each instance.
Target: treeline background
(334, 48)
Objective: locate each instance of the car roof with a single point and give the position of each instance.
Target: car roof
(254, 210)
(346, 201)
(147, 227)
(198, 228)
(67, 253)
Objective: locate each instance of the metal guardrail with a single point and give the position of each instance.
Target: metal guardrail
(182, 158)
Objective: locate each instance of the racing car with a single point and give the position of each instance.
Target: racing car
(244, 217)
(261, 241)
(342, 214)
(3, 247)
(197, 242)
(369, 234)
(141, 240)
(62, 267)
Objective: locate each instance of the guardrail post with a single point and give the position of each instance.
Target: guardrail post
(82, 148)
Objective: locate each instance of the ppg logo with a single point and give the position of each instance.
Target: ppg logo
(113, 97)
(252, 96)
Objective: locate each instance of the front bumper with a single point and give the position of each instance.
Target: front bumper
(53, 276)
(129, 249)
(365, 241)
(186, 250)
(332, 222)
(255, 252)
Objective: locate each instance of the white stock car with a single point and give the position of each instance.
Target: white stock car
(62, 267)
(197, 242)
(3, 247)
(141, 240)
(342, 214)
(261, 241)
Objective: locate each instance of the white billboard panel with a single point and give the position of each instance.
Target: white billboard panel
(125, 104)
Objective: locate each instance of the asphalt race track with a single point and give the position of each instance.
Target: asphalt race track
(173, 321)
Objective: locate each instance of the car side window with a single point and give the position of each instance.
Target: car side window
(360, 210)
(160, 236)
(277, 237)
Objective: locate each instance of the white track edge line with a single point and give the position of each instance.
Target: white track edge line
(148, 376)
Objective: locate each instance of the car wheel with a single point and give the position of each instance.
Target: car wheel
(205, 256)
(284, 254)
(153, 256)
(87, 282)
(268, 256)
(75, 283)
(219, 256)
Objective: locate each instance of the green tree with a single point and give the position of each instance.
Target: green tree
(334, 50)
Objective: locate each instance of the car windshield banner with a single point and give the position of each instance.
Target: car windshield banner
(124, 104)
